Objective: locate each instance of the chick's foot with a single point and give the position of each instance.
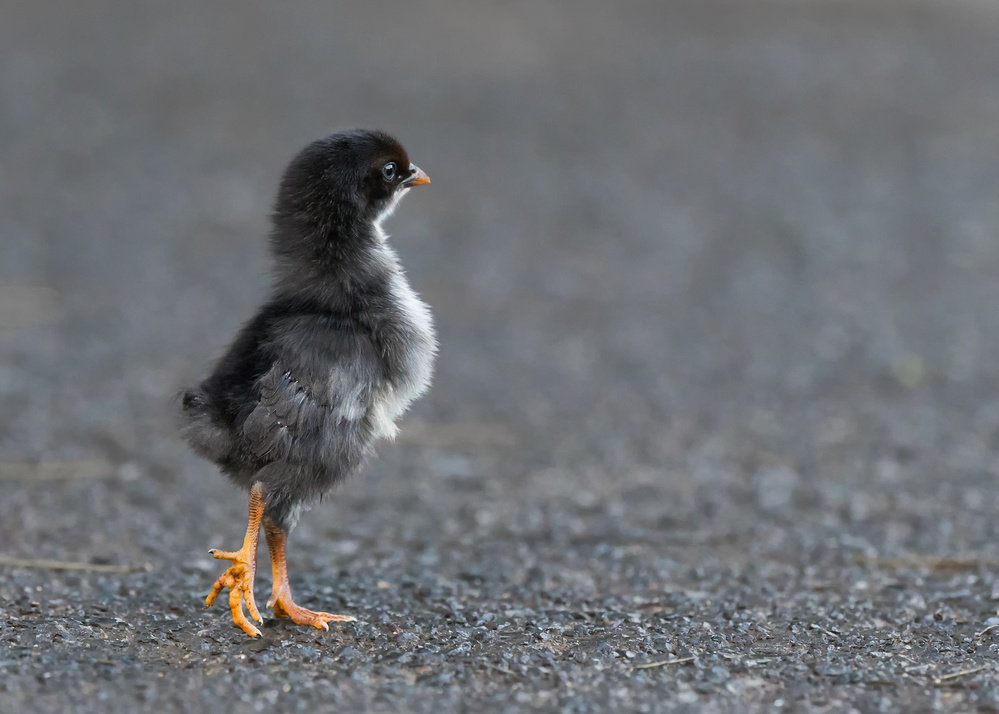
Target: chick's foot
(280, 600)
(240, 575)
(284, 606)
(239, 579)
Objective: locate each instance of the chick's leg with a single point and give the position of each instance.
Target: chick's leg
(239, 577)
(280, 598)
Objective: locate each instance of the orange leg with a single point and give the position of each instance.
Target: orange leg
(239, 577)
(280, 598)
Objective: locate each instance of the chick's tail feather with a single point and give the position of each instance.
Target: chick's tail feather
(206, 434)
(192, 400)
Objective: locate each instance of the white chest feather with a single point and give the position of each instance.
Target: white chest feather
(419, 343)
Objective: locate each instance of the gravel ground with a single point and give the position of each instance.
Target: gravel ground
(715, 425)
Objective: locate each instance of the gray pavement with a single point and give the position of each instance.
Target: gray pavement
(717, 293)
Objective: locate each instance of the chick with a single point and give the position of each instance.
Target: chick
(327, 365)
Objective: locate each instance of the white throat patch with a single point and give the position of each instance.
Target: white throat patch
(388, 211)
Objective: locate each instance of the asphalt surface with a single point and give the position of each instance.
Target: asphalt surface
(717, 291)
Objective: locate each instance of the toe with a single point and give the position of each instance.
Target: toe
(224, 554)
(225, 580)
(238, 617)
(251, 603)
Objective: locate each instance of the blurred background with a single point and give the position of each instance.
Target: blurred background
(716, 287)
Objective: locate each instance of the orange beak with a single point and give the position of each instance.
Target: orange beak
(417, 177)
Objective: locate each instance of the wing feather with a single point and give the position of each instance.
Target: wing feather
(319, 387)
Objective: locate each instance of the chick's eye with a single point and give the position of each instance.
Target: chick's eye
(388, 171)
